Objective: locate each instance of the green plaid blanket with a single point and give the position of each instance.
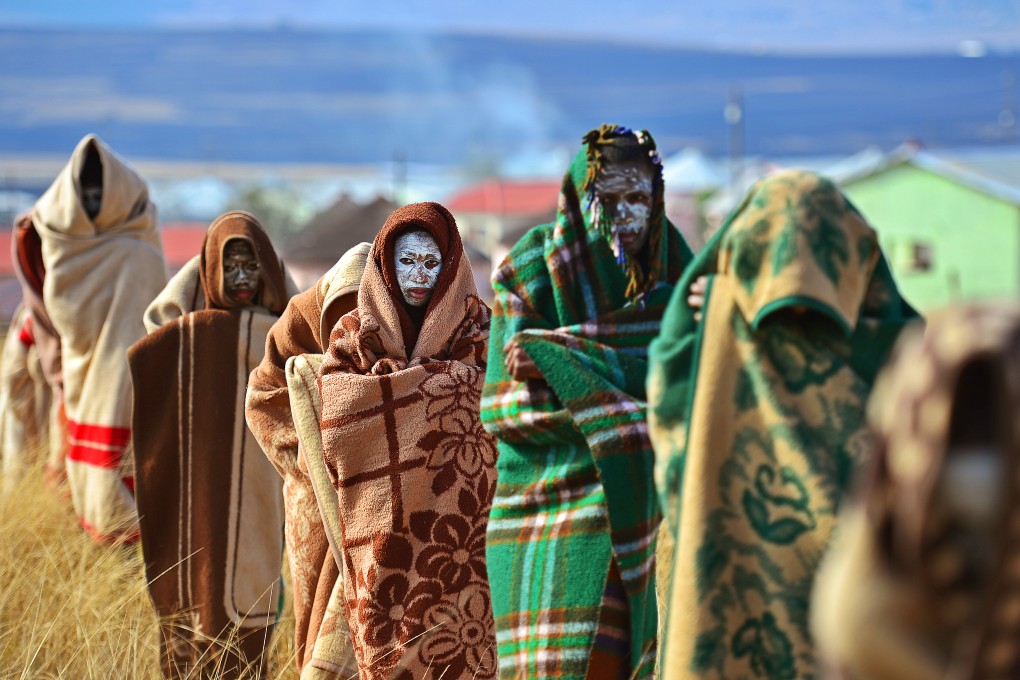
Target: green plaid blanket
(575, 463)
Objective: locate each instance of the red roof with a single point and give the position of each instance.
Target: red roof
(181, 242)
(507, 197)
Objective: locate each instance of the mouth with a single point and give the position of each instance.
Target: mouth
(244, 294)
(418, 293)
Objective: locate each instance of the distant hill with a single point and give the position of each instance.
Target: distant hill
(303, 96)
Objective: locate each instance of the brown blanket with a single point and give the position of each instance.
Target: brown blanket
(210, 504)
(101, 274)
(322, 642)
(414, 470)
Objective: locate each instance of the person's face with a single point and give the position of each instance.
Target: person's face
(92, 199)
(625, 190)
(241, 277)
(418, 263)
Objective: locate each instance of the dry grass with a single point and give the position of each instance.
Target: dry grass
(72, 609)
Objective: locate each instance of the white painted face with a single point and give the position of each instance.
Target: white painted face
(418, 262)
(972, 486)
(625, 189)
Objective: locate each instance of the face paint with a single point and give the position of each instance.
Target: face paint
(971, 486)
(625, 191)
(418, 262)
(241, 277)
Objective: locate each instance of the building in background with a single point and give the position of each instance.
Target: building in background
(949, 222)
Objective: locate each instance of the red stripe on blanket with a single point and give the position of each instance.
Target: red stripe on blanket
(99, 434)
(83, 453)
(25, 334)
(109, 539)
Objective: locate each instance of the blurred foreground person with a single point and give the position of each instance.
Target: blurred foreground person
(571, 539)
(922, 580)
(210, 504)
(25, 400)
(757, 415)
(103, 264)
(412, 469)
(322, 642)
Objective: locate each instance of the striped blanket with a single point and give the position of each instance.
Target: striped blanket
(412, 469)
(100, 275)
(26, 255)
(757, 415)
(322, 641)
(210, 504)
(575, 504)
(25, 399)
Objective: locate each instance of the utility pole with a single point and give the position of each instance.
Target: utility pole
(1007, 115)
(734, 116)
(399, 175)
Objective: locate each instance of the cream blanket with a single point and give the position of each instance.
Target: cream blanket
(101, 274)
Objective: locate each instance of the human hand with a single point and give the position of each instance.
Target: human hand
(518, 364)
(696, 299)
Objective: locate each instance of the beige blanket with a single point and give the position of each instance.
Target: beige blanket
(25, 400)
(100, 276)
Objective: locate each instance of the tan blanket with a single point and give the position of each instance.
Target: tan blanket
(26, 254)
(414, 470)
(210, 504)
(322, 641)
(24, 402)
(100, 276)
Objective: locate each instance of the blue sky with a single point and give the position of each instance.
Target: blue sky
(768, 25)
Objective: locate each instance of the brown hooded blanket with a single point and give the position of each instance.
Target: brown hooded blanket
(414, 470)
(322, 641)
(101, 273)
(210, 504)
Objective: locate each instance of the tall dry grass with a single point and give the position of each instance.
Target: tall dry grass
(72, 609)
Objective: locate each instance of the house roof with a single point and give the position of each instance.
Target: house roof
(946, 166)
(332, 232)
(507, 197)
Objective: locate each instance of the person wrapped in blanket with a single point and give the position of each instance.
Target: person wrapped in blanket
(756, 399)
(210, 503)
(572, 533)
(322, 641)
(103, 264)
(922, 581)
(395, 401)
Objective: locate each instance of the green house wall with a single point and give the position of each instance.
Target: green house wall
(974, 237)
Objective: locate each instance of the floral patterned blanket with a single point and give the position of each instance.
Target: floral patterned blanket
(413, 469)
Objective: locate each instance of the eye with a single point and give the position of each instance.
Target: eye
(252, 266)
(230, 268)
(431, 263)
(638, 197)
(406, 261)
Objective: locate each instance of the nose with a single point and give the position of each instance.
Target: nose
(623, 209)
(420, 275)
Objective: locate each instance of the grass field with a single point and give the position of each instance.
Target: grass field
(72, 609)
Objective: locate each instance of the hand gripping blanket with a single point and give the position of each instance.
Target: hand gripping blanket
(757, 415)
(24, 403)
(210, 504)
(26, 255)
(322, 640)
(414, 471)
(575, 512)
(922, 581)
(100, 275)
